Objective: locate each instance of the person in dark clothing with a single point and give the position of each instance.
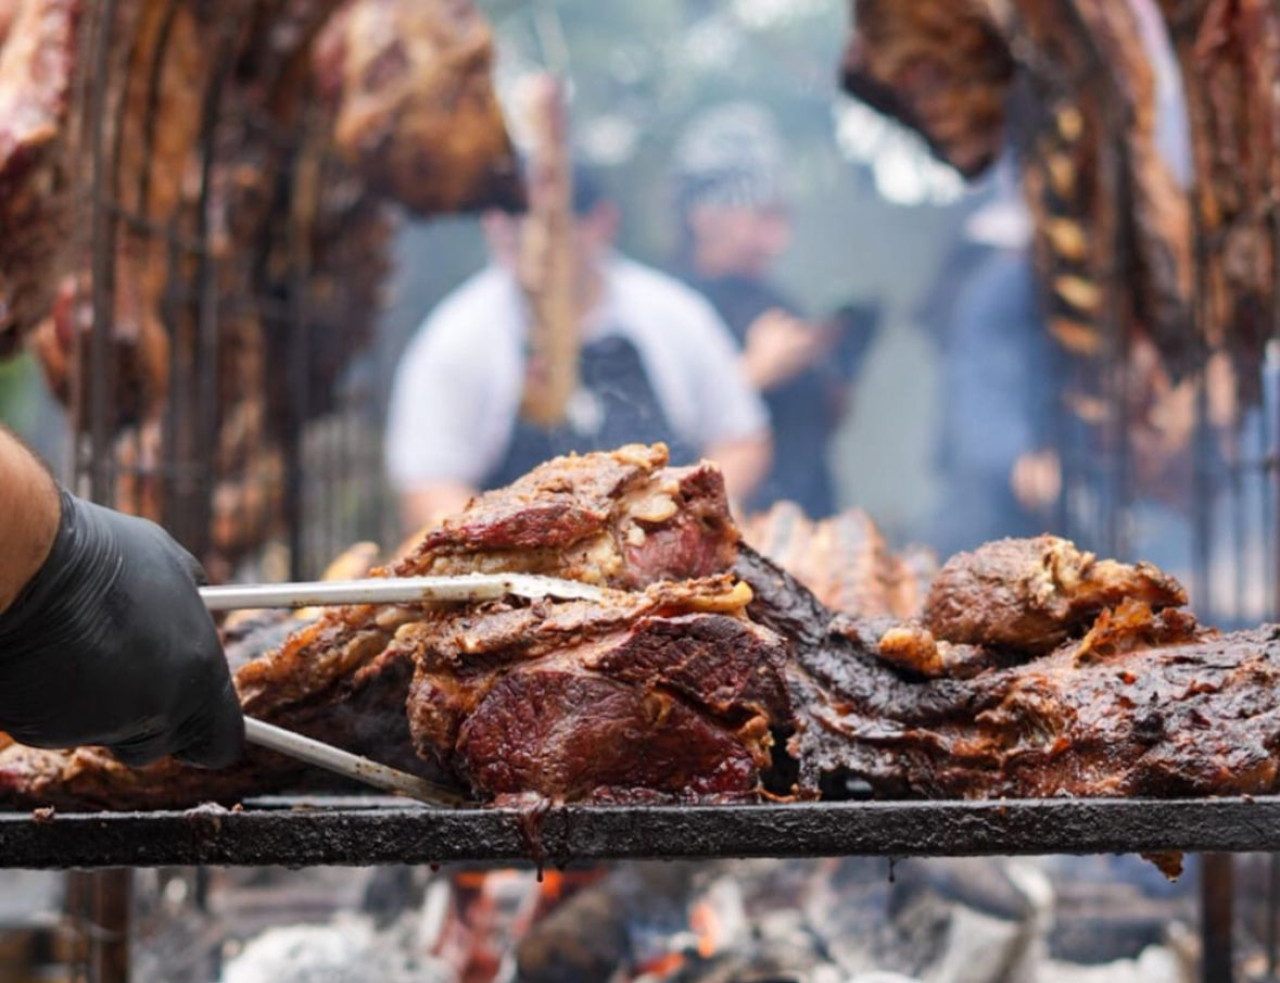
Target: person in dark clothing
(1000, 381)
(734, 228)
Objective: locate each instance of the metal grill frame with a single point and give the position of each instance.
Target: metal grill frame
(375, 831)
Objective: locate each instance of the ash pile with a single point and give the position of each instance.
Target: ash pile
(1058, 920)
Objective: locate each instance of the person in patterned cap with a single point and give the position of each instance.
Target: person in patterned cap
(735, 225)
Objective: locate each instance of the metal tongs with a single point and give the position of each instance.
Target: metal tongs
(385, 590)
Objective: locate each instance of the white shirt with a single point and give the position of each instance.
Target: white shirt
(458, 389)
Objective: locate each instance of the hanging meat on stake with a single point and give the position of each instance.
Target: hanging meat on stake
(941, 68)
(37, 57)
(1071, 83)
(1229, 54)
(415, 111)
(706, 673)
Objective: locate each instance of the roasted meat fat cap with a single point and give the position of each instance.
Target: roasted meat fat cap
(1030, 595)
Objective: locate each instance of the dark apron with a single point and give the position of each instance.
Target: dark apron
(615, 405)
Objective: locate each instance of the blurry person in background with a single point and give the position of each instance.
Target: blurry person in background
(656, 363)
(734, 227)
(1000, 380)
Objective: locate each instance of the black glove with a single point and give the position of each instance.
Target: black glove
(110, 644)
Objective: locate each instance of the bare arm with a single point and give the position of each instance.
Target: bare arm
(426, 504)
(30, 511)
(744, 463)
(780, 347)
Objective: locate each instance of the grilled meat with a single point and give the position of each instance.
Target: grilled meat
(1231, 81)
(667, 694)
(715, 689)
(622, 519)
(1144, 703)
(37, 53)
(415, 109)
(844, 560)
(212, 136)
(1071, 83)
(943, 68)
(1030, 595)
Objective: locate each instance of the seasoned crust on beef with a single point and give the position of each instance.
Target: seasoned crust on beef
(623, 519)
(1032, 594)
(505, 696)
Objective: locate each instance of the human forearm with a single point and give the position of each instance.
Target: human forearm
(29, 516)
(426, 504)
(779, 347)
(743, 462)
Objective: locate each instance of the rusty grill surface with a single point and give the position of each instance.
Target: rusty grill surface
(371, 831)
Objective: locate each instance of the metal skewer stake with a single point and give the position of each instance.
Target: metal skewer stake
(377, 590)
(395, 590)
(348, 765)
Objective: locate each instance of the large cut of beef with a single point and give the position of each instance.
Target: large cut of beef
(667, 694)
(252, 150)
(1137, 700)
(37, 55)
(622, 520)
(707, 673)
(1230, 78)
(415, 111)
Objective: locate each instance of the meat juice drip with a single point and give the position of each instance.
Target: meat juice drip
(531, 813)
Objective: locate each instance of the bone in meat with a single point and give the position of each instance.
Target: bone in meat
(1070, 83)
(37, 56)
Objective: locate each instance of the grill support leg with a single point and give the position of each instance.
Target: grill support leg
(1273, 907)
(1217, 917)
(101, 905)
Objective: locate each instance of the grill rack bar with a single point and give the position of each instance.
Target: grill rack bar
(378, 831)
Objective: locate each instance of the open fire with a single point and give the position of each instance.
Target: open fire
(819, 921)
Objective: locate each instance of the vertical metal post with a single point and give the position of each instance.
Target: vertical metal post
(100, 906)
(110, 905)
(1273, 903)
(1217, 911)
(300, 185)
(99, 365)
(104, 898)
